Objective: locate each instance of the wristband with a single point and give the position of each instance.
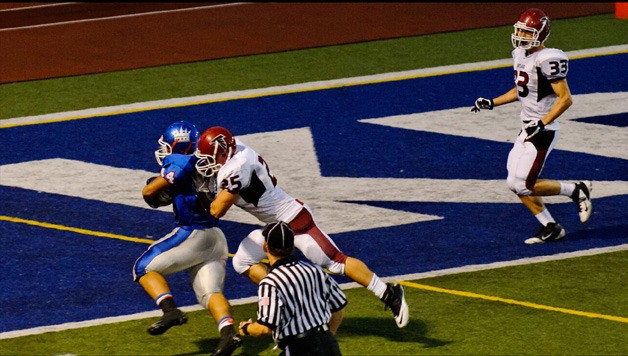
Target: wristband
(245, 329)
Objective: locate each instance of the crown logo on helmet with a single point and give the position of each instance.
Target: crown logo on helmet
(181, 135)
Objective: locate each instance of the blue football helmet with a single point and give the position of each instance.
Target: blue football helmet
(180, 137)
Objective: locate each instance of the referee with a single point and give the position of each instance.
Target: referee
(299, 304)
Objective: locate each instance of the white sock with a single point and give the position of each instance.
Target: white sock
(544, 217)
(567, 188)
(377, 286)
(225, 321)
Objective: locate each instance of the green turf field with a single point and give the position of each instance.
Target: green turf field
(589, 292)
(182, 80)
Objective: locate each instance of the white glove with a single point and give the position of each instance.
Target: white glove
(482, 103)
(533, 127)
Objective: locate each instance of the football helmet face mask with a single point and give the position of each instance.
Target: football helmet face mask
(180, 137)
(215, 147)
(531, 30)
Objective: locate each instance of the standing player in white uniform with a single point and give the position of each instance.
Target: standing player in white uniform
(541, 88)
(245, 180)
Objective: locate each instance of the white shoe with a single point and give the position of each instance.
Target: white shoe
(398, 306)
(582, 197)
(549, 232)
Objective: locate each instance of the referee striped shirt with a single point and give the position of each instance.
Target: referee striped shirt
(297, 296)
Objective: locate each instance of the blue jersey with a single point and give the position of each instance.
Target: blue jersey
(179, 170)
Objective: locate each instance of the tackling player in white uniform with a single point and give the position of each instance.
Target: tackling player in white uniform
(541, 87)
(245, 180)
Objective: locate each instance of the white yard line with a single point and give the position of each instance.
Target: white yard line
(37, 6)
(247, 300)
(285, 89)
(122, 16)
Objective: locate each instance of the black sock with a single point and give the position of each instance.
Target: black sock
(167, 304)
(227, 330)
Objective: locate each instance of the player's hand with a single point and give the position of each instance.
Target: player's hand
(243, 327)
(482, 103)
(533, 127)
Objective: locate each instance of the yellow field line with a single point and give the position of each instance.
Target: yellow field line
(81, 231)
(409, 284)
(512, 301)
(74, 229)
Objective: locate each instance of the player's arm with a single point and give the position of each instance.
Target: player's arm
(253, 328)
(563, 102)
(507, 97)
(154, 187)
(336, 319)
(157, 192)
(489, 104)
(224, 200)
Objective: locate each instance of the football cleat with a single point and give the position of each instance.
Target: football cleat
(582, 197)
(169, 319)
(394, 298)
(227, 345)
(547, 233)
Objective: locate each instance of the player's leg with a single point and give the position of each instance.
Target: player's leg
(525, 162)
(170, 254)
(246, 260)
(578, 192)
(320, 249)
(208, 281)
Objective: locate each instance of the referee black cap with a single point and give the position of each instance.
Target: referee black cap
(278, 235)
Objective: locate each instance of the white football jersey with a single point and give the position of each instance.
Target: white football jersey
(533, 77)
(248, 174)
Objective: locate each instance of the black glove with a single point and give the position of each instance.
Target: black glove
(482, 103)
(533, 127)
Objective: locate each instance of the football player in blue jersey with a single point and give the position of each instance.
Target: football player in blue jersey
(195, 244)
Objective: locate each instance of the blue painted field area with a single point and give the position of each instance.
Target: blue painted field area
(51, 276)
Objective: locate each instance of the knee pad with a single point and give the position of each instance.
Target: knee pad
(518, 186)
(249, 252)
(208, 279)
(239, 265)
(203, 300)
(336, 268)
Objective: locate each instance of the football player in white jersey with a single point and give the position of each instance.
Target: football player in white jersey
(540, 76)
(245, 180)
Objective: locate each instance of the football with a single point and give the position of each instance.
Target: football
(165, 197)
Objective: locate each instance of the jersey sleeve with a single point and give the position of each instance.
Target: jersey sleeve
(554, 64)
(337, 298)
(268, 305)
(235, 175)
(175, 168)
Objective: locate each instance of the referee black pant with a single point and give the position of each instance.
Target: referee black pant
(319, 343)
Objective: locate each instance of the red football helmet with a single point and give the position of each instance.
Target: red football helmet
(215, 147)
(532, 21)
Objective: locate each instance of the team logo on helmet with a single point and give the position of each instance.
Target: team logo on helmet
(181, 135)
(220, 140)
